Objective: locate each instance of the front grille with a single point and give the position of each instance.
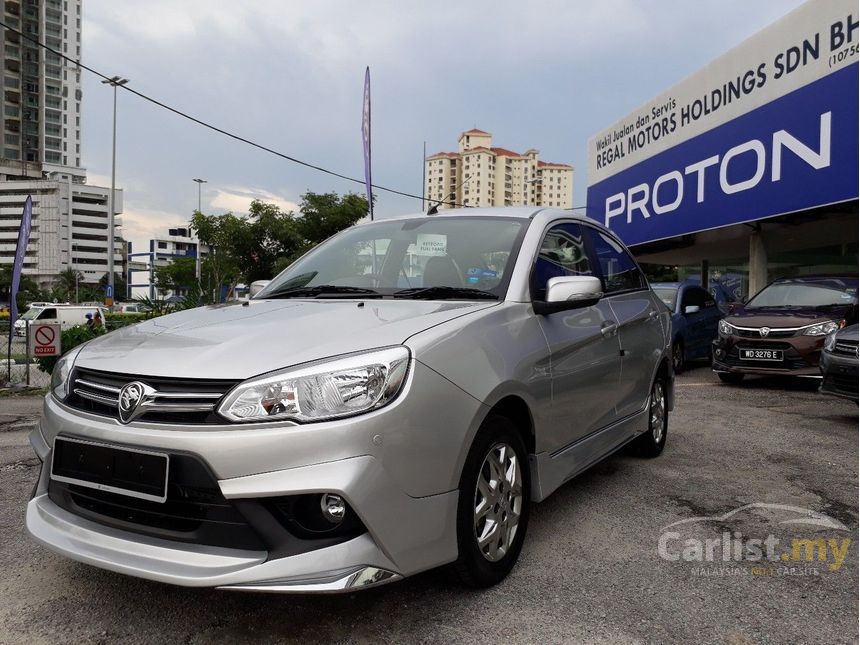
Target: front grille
(195, 510)
(845, 348)
(180, 401)
(774, 333)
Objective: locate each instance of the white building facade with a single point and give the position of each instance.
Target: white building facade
(69, 228)
(479, 174)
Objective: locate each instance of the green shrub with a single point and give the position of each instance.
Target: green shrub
(116, 320)
(70, 339)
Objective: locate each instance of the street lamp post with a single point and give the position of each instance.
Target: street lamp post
(114, 82)
(197, 263)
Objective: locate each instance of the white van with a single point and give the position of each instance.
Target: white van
(65, 315)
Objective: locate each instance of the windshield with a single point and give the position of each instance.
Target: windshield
(31, 314)
(826, 293)
(667, 295)
(465, 256)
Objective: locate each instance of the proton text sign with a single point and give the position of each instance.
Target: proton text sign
(769, 128)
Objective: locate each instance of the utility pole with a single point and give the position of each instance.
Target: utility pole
(197, 263)
(114, 82)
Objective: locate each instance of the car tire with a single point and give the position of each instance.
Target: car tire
(651, 443)
(730, 377)
(678, 360)
(498, 449)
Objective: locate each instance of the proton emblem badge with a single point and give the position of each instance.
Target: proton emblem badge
(130, 397)
(764, 331)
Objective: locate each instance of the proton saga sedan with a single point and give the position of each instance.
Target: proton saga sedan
(395, 400)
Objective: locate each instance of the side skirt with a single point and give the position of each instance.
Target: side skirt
(551, 470)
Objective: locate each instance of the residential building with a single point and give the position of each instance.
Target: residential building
(69, 227)
(41, 92)
(479, 174)
(40, 149)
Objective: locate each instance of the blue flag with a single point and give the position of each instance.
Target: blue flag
(365, 137)
(18, 267)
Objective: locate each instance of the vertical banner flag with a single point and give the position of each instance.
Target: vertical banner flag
(17, 267)
(365, 137)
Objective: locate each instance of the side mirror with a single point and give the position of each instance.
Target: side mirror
(569, 292)
(691, 309)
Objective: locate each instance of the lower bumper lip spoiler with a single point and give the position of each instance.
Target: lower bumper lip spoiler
(334, 582)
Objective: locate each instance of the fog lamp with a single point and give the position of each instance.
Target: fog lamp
(719, 353)
(333, 507)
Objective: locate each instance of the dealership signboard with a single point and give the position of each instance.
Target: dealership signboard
(768, 128)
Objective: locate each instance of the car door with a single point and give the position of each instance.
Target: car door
(585, 364)
(635, 307)
(701, 324)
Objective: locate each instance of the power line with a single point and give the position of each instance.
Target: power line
(236, 137)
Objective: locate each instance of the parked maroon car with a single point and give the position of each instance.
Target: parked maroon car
(781, 330)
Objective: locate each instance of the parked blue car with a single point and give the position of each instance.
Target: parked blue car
(695, 317)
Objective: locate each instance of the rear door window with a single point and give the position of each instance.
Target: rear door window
(619, 271)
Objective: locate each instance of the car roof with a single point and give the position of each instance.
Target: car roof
(520, 212)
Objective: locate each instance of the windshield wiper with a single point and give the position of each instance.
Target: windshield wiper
(323, 291)
(445, 293)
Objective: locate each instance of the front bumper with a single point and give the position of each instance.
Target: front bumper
(397, 468)
(840, 375)
(726, 359)
(425, 538)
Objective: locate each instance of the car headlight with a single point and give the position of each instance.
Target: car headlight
(830, 342)
(725, 328)
(328, 389)
(822, 329)
(62, 372)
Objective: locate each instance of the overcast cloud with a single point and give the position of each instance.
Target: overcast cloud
(289, 75)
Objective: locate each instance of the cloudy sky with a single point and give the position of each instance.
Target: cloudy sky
(289, 74)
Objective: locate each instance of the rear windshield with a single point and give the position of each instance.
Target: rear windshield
(826, 293)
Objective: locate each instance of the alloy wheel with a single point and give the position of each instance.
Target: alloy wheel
(658, 411)
(498, 502)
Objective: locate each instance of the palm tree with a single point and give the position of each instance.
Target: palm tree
(68, 280)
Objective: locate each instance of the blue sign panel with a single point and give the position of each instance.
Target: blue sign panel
(796, 152)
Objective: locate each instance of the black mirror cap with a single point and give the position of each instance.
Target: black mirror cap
(543, 308)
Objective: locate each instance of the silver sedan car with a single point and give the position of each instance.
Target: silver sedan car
(395, 400)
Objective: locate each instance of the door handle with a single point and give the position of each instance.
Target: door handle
(652, 315)
(608, 328)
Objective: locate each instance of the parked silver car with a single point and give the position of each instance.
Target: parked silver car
(393, 401)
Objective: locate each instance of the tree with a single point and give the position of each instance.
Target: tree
(325, 214)
(244, 249)
(227, 238)
(28, 290)
(177, 276)
(120, 286)
(67, 283)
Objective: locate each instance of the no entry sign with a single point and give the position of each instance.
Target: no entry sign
(45, 340)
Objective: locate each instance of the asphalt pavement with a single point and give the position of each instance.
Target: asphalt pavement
(616, 555)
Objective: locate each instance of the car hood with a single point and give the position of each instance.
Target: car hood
(795, 317)
(237, 341)
(849, 333)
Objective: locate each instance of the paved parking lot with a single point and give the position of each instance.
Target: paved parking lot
(590, 571)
